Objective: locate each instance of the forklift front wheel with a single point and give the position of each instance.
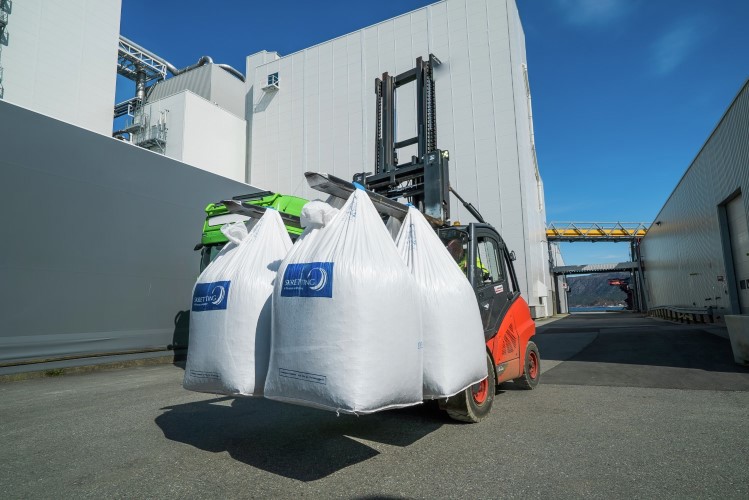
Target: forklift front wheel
(532, 368)
(475, 403)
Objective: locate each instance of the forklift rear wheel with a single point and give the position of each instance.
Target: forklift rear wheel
(532, 372)
(475, 403)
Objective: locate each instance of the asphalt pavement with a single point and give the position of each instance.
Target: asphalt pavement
(627, 407)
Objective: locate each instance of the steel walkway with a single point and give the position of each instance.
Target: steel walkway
(596, 268)
(595, 231)
(628, 232)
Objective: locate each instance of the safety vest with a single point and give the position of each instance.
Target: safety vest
(463, 264)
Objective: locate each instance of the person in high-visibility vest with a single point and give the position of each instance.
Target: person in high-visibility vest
(458, 252)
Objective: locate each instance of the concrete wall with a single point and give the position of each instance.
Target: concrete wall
(97, 251)
(59, 59)
(684, 251)
(322, 118)
(201, 134)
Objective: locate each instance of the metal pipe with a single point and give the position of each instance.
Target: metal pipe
(201, 62)
(231, 70)
(173, 69)
(140, 85)
(469, 206)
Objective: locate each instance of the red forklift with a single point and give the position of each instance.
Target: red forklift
(511, 354)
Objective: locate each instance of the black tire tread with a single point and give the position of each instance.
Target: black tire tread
(524, 381)
(461, 408)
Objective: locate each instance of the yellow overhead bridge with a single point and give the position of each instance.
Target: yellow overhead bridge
(595, 231)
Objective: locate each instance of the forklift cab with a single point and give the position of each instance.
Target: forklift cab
(483, 256)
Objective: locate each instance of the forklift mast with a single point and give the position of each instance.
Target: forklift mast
(424, 181)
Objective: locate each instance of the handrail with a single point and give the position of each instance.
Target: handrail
(595, 231)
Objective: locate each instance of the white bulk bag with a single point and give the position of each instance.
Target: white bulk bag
(346, 324)
(317, 214)
(454, 348)
(230, 320)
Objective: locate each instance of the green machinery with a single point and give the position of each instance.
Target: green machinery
(241, 208)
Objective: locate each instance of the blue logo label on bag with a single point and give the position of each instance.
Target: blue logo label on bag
(313, 279)
(210, 296)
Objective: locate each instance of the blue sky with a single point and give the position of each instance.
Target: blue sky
(625, 92)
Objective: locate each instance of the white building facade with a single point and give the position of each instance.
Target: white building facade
(58, 59)
(198, 118)
(322, 117)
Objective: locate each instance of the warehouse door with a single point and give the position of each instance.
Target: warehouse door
(738, 233)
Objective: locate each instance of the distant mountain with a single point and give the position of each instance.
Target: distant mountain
(594, 290)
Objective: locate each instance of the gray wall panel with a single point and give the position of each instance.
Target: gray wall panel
(98, 252)
(683, 250)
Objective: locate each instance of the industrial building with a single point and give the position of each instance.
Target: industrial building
(315, 110)
(196, 117)
(112, 263)
(696, 253)
(98, 258)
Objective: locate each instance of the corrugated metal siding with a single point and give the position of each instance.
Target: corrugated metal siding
(197, 81)
(322, 118)
(683, 251)
(209, 82)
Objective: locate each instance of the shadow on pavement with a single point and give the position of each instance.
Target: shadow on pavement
(633, 350)
(293, 441)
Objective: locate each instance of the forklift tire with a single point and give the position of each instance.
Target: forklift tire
(531, 369)
(475, 403)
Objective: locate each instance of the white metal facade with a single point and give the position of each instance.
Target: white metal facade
(209, 82)
(322, 116)
(696, 253)
(59, 59)
(201, 134)
(558, 292)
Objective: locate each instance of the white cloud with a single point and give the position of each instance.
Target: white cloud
(673, 47)
(593, 12)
